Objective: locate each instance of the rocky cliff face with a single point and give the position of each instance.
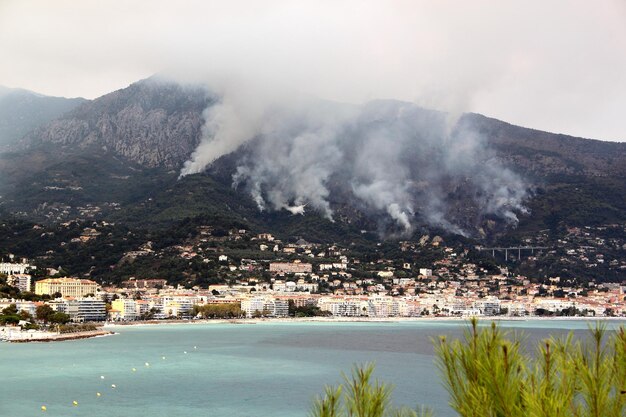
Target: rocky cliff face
(153, 123)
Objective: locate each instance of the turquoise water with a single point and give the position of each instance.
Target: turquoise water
(246, 370)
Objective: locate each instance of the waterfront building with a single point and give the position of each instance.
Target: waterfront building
(142, 307)
(489, 306)
(265, 306)
(299, 300)
(86, 309)
(80, 309)
(409, 308)
(514, 309)
(67, 287)
(177, 306)
(344, 307)
(126, 307)
(552, 305)
(382, 306)
(114, 315)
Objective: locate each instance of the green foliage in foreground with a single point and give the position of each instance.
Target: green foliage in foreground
(488, 375)
(359, 397)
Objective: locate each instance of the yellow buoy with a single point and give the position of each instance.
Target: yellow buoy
(134, 369)
(44, 408)
(98, 394)
(74, 403)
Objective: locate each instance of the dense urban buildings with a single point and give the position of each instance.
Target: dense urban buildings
(424, 278)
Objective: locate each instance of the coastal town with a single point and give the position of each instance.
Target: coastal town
(419, 279)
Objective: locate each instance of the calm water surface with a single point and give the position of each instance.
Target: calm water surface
(223, 370)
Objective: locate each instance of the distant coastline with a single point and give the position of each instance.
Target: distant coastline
(352, 320)
(108, 328)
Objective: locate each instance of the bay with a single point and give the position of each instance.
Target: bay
(240, 370)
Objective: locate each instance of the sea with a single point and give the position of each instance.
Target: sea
(267, 369)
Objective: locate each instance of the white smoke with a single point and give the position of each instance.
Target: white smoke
(236, 118)
(296, 153)
(391, 159)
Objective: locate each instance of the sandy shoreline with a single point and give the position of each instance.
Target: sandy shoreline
(352, 320)
(109, 328)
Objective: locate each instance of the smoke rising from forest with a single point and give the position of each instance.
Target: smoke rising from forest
(388, 158)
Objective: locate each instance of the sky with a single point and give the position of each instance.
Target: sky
(555, 65)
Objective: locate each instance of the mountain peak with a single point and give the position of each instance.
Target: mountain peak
(153, 122)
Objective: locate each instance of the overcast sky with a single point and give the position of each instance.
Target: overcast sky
(552, 65)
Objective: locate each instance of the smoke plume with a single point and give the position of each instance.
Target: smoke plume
(393, 160)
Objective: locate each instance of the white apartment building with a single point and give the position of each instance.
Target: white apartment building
(21, 281)
(552, 304)
(81, 309)
(514, 309)
(382, 306)
(427, 272)
(488, 306)
(86, 309)
(177, 306)
(28, 306)
(290, 286)
(344, 307)
(331, 266)
(9, 268)
(265, 305)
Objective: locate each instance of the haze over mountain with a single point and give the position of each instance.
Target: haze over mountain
(22, 111)
(386, 166)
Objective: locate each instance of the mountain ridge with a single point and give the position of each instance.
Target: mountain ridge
(22, 110)
(158, 122)
(151, 122)
(145, 132)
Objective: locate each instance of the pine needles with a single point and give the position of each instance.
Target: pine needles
(487, 375)
(359, 396)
